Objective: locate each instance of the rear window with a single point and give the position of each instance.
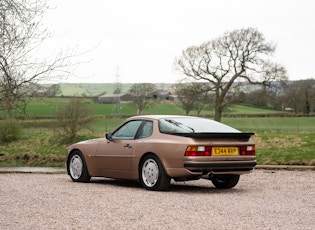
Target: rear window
(193, 125)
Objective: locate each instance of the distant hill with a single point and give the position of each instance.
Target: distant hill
(90, 89)
(96, 89)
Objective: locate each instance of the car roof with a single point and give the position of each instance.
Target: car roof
(216, 126)
(156, 117)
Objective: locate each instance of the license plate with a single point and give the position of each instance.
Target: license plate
(224, 151)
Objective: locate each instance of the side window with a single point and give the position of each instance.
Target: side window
(173, 126)
(165, 127)
(127, 131)
(146, 129)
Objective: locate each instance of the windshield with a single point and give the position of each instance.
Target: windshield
(193, 125)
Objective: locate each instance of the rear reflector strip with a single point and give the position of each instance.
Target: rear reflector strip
(206, 150)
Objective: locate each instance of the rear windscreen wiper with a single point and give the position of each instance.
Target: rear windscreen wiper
(178, 124)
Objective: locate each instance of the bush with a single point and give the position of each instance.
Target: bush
(10, 130)
(73, 117)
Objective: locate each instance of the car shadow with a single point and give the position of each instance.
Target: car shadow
(177, 187)
(117, 182)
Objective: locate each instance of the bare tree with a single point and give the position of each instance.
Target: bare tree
(270, 96)
(53, 90)
(141, 95)
(192, 95)
(300, 95)
(237, 56)
(21, 34)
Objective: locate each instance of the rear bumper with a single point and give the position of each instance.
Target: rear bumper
(220, 165)
(195, 169)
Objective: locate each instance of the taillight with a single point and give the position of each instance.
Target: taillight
(248, 150)
(206, 150)
(198, 151)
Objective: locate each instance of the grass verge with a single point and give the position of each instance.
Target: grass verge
(287, 141)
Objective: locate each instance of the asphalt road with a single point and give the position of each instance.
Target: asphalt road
(264, 199)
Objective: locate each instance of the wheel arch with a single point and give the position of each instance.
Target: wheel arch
(69, 156)
(76, 166)
(148, 177)
(147, 154)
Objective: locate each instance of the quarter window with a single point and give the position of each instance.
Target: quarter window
(146, 129)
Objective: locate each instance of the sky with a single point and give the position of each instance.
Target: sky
(138, 40)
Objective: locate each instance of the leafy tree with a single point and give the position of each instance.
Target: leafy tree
(141, 95)
(237, 56)
(21, 35)
(73, 117)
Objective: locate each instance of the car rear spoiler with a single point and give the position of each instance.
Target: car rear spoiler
(217, 135)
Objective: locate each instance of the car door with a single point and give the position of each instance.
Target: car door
(114, 156)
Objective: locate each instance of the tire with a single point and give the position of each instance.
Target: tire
(225, 181)
(77, 168)
(152, 174)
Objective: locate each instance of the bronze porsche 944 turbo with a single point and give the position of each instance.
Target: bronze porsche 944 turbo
(157, 148)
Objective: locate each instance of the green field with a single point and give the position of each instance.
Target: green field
(47, 106)
(279, 140)
(273, 124)
(90, 89)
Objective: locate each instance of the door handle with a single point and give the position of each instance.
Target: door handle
(128, 146)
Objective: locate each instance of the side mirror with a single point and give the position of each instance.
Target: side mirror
(108, 136)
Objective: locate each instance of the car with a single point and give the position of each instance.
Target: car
(154, 149)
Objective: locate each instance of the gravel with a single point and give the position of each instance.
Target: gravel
(264, 199)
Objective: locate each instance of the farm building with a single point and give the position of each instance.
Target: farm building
(113, 98)
(163, 95)
(117, 98)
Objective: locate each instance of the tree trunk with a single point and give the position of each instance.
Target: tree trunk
(217, 113)
(218, 100)
(139, 111)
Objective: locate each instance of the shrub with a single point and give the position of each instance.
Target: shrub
(73, 117)
(10, 130)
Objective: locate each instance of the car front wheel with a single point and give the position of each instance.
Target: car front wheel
(77, 168)
(225, 181)
(152, 174)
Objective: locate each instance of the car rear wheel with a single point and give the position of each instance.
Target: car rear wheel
(225, 181)
(152, 174)
(77, 168)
